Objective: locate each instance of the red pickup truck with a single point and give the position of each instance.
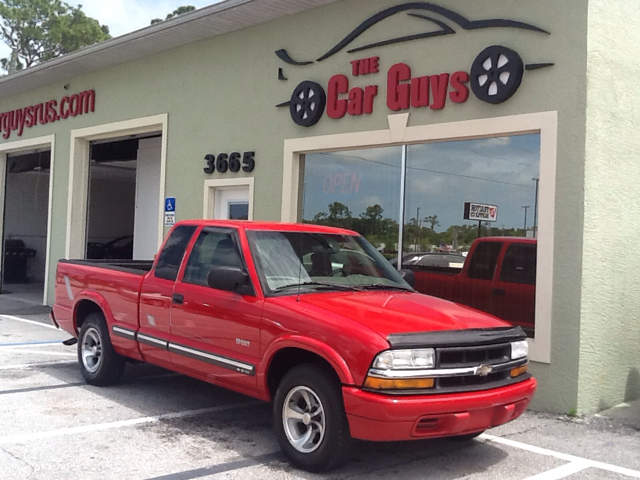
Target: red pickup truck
(498, 277)
(312, 319)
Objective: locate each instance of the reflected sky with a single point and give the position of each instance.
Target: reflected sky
(441, 177)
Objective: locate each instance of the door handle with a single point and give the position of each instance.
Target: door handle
(498, 292)
(177, 299)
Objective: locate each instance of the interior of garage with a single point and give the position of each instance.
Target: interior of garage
(123, 198)
(25, 224)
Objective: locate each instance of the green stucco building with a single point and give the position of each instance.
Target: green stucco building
(324, 110)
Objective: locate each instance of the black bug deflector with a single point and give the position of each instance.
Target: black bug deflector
(456, 338)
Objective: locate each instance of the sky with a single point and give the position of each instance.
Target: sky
(124, 16)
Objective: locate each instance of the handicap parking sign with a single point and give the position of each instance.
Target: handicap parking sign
(170, 204)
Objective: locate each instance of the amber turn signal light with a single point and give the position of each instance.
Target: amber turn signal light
(516, 372)
(398, 384)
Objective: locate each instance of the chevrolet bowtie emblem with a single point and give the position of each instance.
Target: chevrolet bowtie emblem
(484, 370)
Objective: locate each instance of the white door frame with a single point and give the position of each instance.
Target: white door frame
(75, 245)
(47, 141)
(210, 187)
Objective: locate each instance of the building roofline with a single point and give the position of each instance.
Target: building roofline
(207, 22)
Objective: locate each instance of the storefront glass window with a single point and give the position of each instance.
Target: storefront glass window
(456, 195)
(358, 190)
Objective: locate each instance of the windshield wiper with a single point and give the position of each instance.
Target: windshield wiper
(385, 287)
(327, 286)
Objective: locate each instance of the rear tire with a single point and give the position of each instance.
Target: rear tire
(100, 365)
(310, 422)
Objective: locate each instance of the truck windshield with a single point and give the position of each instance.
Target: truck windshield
(289, 261)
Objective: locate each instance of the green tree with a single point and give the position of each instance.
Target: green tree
(39, 30)
(433, 220)
(178, 11)
(339, 215)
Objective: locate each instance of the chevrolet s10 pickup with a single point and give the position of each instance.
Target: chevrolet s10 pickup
(312, 319)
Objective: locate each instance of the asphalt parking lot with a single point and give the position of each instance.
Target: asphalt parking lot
(160, 425)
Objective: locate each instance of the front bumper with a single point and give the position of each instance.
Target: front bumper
(378, 417)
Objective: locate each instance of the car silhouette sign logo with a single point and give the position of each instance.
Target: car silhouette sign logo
(494, 76)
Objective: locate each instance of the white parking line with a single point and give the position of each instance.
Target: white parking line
(562, 456)
(29, 344)
(24, 320)
(41, 352)
(27, 437)
(561, 471)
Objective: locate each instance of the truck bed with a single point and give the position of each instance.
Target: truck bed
(114, 285)
(139, 267)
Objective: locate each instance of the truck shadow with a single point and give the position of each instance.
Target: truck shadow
(247, 431)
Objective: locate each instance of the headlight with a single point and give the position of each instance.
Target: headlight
(405, 359)
(519, 350)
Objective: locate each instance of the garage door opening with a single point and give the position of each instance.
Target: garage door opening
(122, 200)
(26, 213)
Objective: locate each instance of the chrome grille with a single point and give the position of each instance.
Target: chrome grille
(457, 357)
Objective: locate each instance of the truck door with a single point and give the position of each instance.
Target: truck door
(514, 291)
(473, 286)
(156, 295)
(215, 333)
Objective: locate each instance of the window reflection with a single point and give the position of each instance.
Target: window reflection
(358, 190)
(489, 265)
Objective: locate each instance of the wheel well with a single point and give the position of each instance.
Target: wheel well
(288, 358)
(83, 310)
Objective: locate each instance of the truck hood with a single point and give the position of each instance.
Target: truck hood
(387, 312)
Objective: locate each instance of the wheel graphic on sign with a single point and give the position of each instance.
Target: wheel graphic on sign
(496, 74)
(307, 103)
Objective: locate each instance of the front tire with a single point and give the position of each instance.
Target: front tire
(100, 365)
(310, 422)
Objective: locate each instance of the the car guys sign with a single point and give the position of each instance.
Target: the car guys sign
(494, 76)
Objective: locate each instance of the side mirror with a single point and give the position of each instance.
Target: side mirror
(228, 278)
(408, 276)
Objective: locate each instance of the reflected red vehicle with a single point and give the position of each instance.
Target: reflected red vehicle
(498, 277)
(312, 319)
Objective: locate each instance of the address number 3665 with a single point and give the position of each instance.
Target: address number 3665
(230, 162)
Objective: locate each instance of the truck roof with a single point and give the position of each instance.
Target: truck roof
(268, 226)
(508, 239)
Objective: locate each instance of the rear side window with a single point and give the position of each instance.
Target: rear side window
(519, 265)
(484, 260)
(212, 248)
(171, 256)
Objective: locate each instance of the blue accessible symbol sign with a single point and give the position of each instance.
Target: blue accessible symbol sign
(169, 211)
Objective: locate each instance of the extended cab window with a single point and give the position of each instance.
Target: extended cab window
(171, 256)
(484, 260)
(212, 248)
(519, 265)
